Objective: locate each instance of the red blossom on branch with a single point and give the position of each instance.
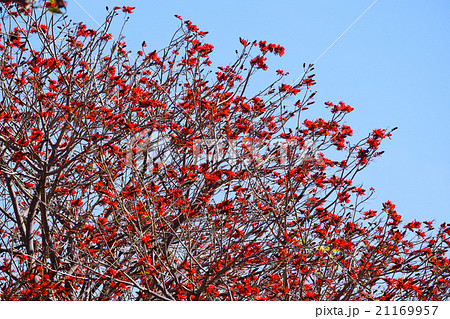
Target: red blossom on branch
(259, 62)
(128, 9)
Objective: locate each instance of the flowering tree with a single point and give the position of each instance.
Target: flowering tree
(24, 3)
(52, 5)
(153, 179)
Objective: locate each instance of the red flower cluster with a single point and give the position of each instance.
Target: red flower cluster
(128, 9)
(243, 42)
(341, 107)
(273, 48)
(259, 61)
(288, 89)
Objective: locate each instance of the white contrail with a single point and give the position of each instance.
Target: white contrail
(332, 44)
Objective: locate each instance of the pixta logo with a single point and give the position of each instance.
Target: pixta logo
(154, 148)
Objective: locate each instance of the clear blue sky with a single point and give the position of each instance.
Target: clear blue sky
(393, 67)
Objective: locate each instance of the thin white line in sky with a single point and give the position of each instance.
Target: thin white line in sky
(93, 19)
(315, 61)
(86, 12)
(335, 41)
(343, 33)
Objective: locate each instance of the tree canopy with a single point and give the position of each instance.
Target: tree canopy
(161, 178)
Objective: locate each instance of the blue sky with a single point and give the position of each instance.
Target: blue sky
(392, 67)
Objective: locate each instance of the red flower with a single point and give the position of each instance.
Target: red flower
(379, 133)
(44, 28)
(259, 62)
(191, 27)
(359, 191)
(308, 82)
(341, 107)
(128, 9)
(147, 240)
(263, 47)
(36, 135)
(370, 214)
(289, 89)
(344, 197)
(18, 156)
(279, 50)
(412, 225)
(76, 202)
(273, 48)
